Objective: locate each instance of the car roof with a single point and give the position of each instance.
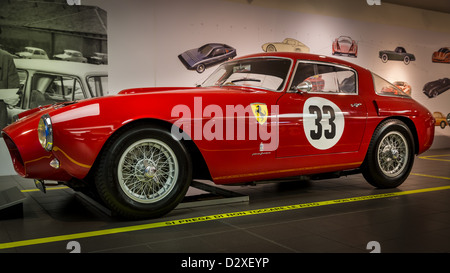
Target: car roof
(34, 48)
(303, 56)
(61, 67)
(71, 50)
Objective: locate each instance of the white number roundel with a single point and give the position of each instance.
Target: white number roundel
(323, 122)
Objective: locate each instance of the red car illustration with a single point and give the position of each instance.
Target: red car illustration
(255, 118)
(404, 86)
(441, 56)
(345, 45)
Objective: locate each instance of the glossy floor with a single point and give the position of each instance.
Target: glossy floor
(335, 215)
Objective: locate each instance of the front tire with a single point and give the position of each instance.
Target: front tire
(143, 173)
(390, 156)
(271, 48)
(406, 60)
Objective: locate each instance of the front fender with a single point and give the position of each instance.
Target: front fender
(81, 130)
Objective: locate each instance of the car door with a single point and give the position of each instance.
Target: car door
(327, 116)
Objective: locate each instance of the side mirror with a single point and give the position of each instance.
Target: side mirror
(305, 86)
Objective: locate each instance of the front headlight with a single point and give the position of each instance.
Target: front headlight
(45, 132)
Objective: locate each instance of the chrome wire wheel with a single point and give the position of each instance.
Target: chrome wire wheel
(148, 171)
(393, 154)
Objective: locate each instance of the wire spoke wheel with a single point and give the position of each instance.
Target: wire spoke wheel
(393, 154)
(148, 171)
(390, 155)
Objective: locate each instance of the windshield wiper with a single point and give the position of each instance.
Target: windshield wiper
(246, 80)
(239, 80)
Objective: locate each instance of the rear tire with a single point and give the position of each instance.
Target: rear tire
(143, 173)
(390, 156)
(200, 68)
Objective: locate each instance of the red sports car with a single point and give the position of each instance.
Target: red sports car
(255, 118)
(345, 45)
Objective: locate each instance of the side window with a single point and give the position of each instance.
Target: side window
(346, 80)
(325, 78)
(98, 85)
(218, 52)
(385, 88)
(50, 89)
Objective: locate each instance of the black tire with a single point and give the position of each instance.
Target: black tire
(150, 159)
(406, 60)
(384, 58)
(271, 48)
(200, 68)
(390, 156)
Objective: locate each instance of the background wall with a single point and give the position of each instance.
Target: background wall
(146, 36)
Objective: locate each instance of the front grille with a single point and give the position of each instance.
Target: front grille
(15, 154)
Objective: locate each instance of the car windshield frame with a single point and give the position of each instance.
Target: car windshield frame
(220, 77)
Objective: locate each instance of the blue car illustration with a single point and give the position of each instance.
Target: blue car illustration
(206, 55)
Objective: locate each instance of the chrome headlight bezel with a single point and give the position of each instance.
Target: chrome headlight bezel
(45, 132)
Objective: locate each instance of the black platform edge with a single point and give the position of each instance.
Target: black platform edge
(11, 203)
(214, 196)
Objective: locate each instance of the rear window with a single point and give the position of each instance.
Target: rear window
(385, 88)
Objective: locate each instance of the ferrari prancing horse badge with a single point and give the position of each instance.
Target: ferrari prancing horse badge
(260, 112)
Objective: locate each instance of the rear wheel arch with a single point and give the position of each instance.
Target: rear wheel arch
(412, 128)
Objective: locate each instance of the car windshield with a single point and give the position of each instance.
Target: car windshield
(267, 73)
(345, 40)
(204, 50)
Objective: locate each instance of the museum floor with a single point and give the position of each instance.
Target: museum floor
(328, 216)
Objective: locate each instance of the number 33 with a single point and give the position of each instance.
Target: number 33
(326, 109)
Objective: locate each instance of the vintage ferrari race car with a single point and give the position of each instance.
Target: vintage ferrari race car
(256, 118)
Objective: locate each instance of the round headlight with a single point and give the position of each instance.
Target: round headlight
(45, 132)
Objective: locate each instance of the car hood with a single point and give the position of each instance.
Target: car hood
(161, 98)
(61, 55)
(440, 55)
(192, 56)
(24, 54)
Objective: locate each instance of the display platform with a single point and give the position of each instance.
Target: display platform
(200, 194)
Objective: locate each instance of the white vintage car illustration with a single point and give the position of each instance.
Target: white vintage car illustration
(287, 45)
